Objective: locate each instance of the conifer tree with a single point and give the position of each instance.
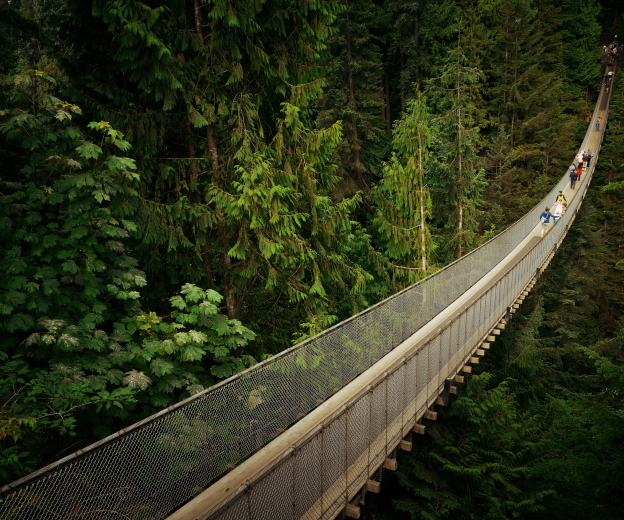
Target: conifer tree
(351, 94)
(476, 461)
(403, 201)
(458, 177)
(414, 40)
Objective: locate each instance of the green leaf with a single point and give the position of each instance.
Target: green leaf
(178, 302)
(222, 371)
(89, 150)
(191, 353)
(161, 367)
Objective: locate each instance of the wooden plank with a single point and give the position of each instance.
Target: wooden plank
(453, 390)
(419, 428)
(486, 346)
(467, 369)
(373, 486)
(516, 306)
(474, 360)
(390, 464)
(459, 379)
(431, 415)
(440, 401)
(405, 445)
(496, 332)
(480, 352)
(491, 339)
(500, 326)
(352, 511)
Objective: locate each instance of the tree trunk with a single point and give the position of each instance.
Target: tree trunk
(423, 252)
(416, 50)
(356, 145)
(198, 24)
(226, 261)
(191, 153)
(215, 163)
(388, 116)
(382, 95)
(402, 84)
(460, 180)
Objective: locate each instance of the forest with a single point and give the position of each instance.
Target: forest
(189, 187)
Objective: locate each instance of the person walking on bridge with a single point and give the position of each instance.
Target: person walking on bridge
(598, 124)
(545, 219)
(572, 177)
(589, 157)
(561, 197)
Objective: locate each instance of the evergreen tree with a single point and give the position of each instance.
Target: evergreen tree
(415, 41)
(402, 198)
(352, 91)
(476, 461)
(457, 176)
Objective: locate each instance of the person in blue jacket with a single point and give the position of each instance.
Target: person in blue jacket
(545, 219)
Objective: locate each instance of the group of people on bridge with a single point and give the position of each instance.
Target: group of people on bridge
(557, 210)
(610, 53)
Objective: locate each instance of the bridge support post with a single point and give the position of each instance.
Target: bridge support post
(537, 273)
(447, 390)
(508, 315)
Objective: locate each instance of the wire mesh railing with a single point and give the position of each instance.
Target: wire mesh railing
(155, 466)
(317, 478)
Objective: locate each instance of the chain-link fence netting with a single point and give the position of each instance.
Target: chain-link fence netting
(151, 469)
(349, 450)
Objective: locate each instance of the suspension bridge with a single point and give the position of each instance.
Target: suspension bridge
(307, 433)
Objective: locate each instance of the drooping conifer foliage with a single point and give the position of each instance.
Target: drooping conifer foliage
(188, 187)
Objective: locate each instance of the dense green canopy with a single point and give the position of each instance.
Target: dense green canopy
(190, 186)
